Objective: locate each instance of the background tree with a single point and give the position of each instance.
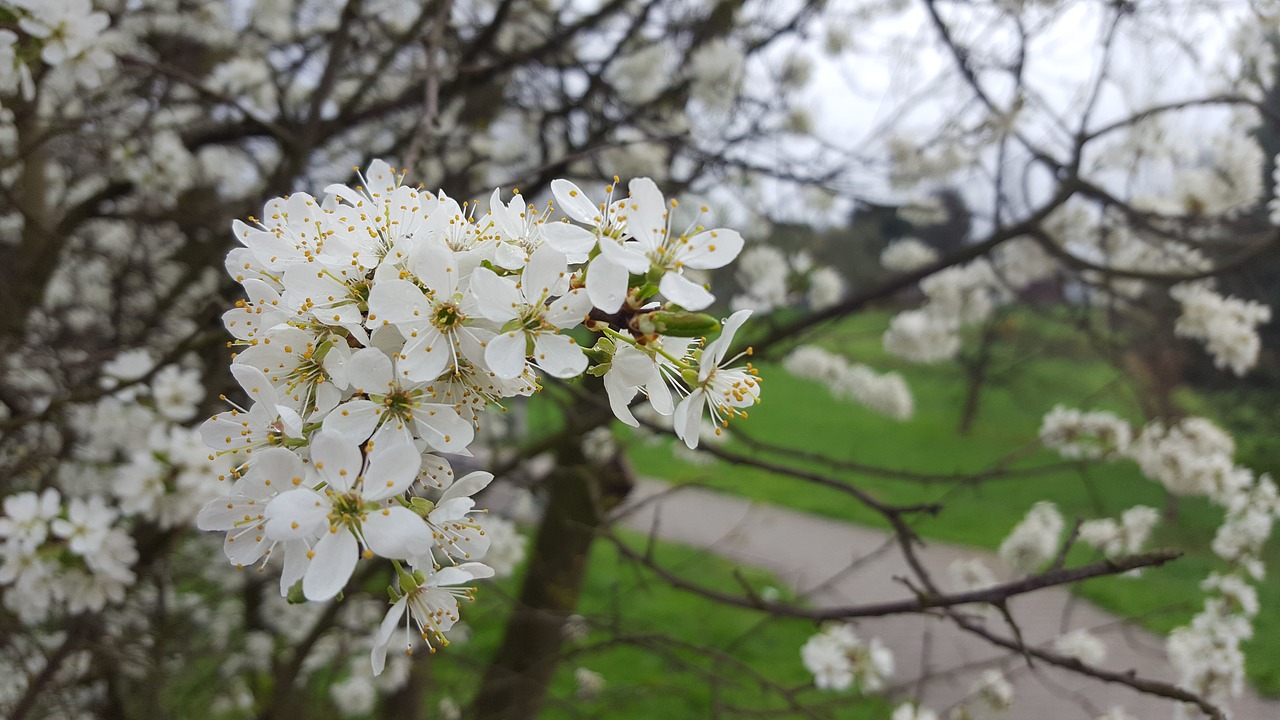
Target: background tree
(134, 134)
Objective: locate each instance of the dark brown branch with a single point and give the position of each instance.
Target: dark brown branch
(924, 601)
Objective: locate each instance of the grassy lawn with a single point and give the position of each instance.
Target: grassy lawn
(630, 611)
(1039, 365)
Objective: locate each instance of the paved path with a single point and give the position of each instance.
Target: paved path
(814, 556)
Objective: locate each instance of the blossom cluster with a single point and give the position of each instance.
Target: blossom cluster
(908, 254)
(1081, 645)
(957, 296)
(839, 659)
(1034, 540)
(1119, 537)
(381, 322)
(1085, 435)
(1226, 325)
(989, 696)
(63, 33)
(885, 393)
(60, 555)
(63, 553)
(962, 295)
(1192, 457)
(770, 279)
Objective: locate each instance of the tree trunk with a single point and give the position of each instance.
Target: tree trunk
(976, 371)
(516, 681)
(410, 701)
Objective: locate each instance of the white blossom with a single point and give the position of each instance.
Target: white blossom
(839, 659)
(1226, 325)
(992, 691)
(589, 683)
(1087, 435)
(907, 255)
(913, 711)
(922, 337)
(884, 393)
(1081, 645)
(1033, 541)
(723, 391)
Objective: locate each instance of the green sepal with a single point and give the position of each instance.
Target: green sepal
(678, 323)
(421, 506)
(647, 292)
(408, 581)
(295, 596)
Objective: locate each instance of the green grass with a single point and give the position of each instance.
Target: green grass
(1040, 363)
(631, 611)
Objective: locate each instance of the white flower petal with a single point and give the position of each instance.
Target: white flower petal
(574, 202)
(711, 249)
(333, 560)
(426, 356)
(392, 469)
(714, 353)
(296, 514)
(255, 384)
(687, 421)
(567, 238)
(462, 573)
(497, 298)
(443, 429)
(336, 459)
(369, 371)
(559, 355)
(353, 420)
(569, 310)
(606, 284)
(545, 275)
(378, 657)
(436, 266)
(451, 509)
(467, 485)
(506, 218)
(620, 394)
(659, 393)
(295, 565)
(628, 255)
(505, 354)
(396, 532)
(227, 513)
(646, 213)
(684, 292)
(398, 302)
(245, 546)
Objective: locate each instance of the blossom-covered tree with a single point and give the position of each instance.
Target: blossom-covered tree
(219, 333)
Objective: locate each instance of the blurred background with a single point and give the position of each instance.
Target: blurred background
(1010, 264)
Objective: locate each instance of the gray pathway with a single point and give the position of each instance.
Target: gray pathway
(814, 556)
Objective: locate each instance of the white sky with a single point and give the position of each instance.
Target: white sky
(895, 77)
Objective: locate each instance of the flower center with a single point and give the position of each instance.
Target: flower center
(447, 316)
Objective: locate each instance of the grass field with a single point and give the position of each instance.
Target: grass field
(1038, 366)
(646, 675)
